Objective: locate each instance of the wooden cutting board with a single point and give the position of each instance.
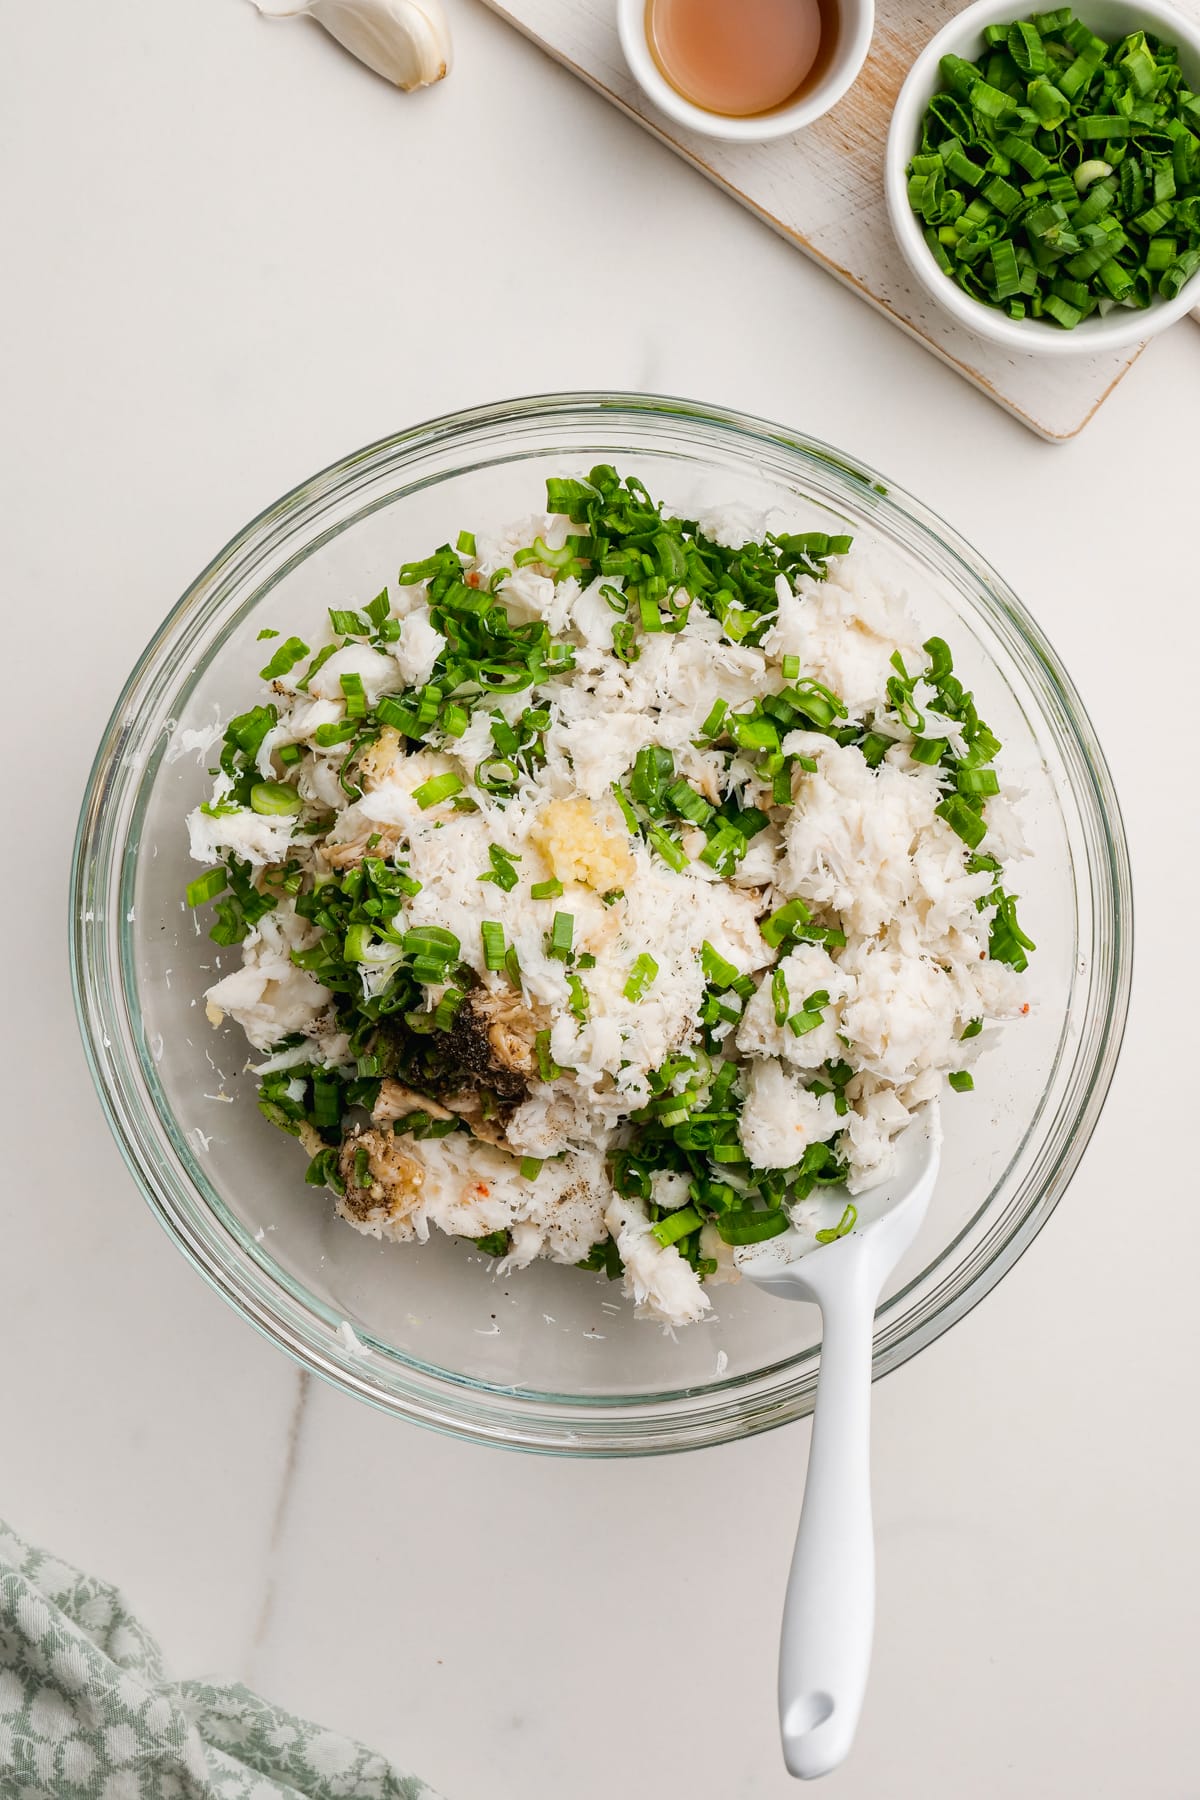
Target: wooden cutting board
(823, 190)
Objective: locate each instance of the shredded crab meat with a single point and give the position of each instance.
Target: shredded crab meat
(606, 960)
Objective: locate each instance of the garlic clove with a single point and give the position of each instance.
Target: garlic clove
(405, 41)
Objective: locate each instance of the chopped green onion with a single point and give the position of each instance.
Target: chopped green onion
(714, 723)
(1088, 172)
(274, 798)
(561, 933)
(349, 624)
(357, 944)
(465, 543)
(790, 668)
(753, 734)
(546, 890)
(579, 1002)
(501, 871)
(540, 551)
(928, 750)
(389, 711)
(432, 939)
(653, 768)
(624, 647)
(724, 850)
(972, 1029)
(492, 933)
(377, 611)
(844, 1225)
(683, 799)
(962, 819)
(286, 657)
(779, 996)
(748, 1225)
(497, 775)
(717, 971)
(801, 1023)
(436, 789)
(641, 976)
(676, 1225)
(326, 736)
(781, 923)
(355, 695)
(548, 1069)
(962, 1081)
(1107, 135)
(447, 1007)
(977, 781)
(666, 846)
(207, 887)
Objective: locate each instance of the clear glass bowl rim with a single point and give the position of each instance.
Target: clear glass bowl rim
(569, 1425)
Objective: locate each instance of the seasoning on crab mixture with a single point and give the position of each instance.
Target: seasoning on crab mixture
(609, 885)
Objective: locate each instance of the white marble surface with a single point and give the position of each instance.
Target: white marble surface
(231, 256)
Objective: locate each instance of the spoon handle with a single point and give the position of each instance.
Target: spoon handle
(829, 1612)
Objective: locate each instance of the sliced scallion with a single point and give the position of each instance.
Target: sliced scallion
(845, 1224)
(274, 798)
(671, 852)
(348, 623)
(642, 975)
(717, 969)
(436, 789)
(501, 871)
(676, 1225)
(561, 933)
(750, 1225)
(492, 933)
(781, 923)
(206, 887)
(548, 1069)
(286, 657)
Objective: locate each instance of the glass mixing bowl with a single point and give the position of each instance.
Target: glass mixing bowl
(552, 1358)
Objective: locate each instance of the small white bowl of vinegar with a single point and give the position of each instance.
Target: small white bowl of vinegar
(745, 69)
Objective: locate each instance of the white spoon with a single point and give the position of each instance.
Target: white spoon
(829, 1613)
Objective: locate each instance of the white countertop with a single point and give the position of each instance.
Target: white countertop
(232, 255)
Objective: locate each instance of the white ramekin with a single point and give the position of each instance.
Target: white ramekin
(856, 22)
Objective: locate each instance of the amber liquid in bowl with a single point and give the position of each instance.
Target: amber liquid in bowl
(742, 58)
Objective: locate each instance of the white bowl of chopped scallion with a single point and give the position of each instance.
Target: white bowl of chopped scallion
(1043, 172)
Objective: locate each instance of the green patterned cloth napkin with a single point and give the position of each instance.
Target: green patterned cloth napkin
(88, 1712)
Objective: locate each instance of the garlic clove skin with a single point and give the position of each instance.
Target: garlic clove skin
(405, 41)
